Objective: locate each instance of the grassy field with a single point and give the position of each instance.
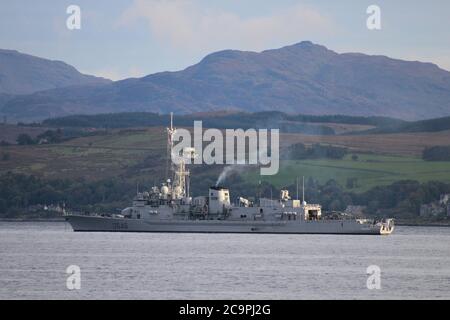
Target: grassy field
(117, 153)
(405, 144)
(9, 132)
(140, 153)
(370, 170)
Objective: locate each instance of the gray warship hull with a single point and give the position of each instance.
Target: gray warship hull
(81, 223)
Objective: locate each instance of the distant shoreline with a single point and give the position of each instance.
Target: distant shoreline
(422, 225)
(32, 220)
(401, 224)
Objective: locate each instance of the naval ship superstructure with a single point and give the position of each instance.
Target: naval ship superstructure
(169, 207)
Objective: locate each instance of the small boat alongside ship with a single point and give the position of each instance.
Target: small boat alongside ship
(169, 207)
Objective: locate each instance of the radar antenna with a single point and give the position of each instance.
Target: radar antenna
(170, 133)
(303, 189)
(179, 174)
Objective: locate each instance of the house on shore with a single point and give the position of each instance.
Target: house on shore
(436, 208)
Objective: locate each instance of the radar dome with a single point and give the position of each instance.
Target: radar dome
(164, 190)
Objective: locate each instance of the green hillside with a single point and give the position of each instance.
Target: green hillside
(368, 171)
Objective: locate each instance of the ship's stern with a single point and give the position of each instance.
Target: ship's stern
(387, 226)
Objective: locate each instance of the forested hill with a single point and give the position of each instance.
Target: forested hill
(431, 125)
(309, 124)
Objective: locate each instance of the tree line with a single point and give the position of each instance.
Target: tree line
(266, 120)
(400, 199)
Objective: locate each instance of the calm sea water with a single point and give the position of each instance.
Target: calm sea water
(414, 262)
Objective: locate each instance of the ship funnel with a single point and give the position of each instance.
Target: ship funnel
(219, 200)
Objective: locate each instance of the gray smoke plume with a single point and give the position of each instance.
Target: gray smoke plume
(226, 171)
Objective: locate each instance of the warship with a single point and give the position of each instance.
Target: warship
(169, 207)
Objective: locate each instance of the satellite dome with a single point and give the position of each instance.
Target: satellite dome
(164, 190)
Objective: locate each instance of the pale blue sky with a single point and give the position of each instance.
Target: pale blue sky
(125, 38)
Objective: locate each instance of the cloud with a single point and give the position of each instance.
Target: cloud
(186, 25)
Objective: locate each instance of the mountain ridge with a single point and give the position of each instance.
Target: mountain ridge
(301, 78)
(22, 73)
